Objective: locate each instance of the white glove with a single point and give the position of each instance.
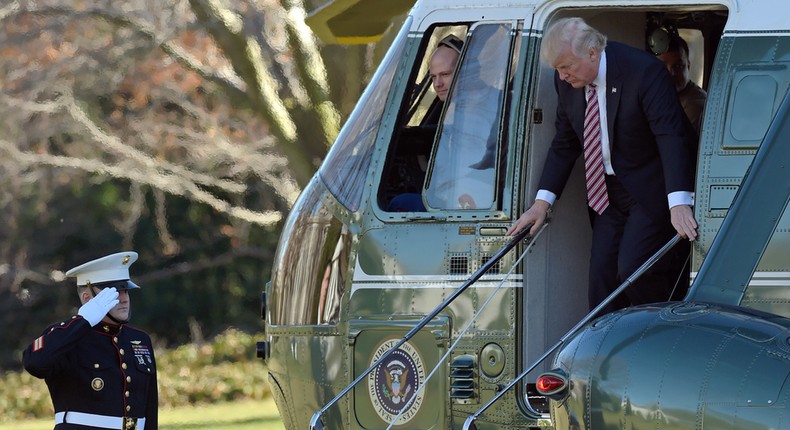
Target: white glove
(96, 308)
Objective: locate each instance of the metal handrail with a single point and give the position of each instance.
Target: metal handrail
(316, 422)
(441, 361)
(469, 423)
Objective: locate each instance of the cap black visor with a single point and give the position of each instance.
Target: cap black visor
(119, 285)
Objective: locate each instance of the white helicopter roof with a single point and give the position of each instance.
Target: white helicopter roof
(744, 15)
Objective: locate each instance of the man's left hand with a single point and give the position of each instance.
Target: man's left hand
(684, 222)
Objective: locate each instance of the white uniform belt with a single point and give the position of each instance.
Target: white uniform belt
(94, 420)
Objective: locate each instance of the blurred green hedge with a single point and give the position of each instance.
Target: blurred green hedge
(225, 369)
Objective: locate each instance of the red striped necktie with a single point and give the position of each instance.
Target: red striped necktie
(597, 197)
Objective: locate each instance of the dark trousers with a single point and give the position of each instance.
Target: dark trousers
(624, 237)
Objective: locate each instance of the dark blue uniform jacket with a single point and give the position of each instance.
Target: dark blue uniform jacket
(106, 370)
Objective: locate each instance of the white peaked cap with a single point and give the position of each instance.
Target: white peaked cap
(113, 267)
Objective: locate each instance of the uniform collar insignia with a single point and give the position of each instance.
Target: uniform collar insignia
(108, 328)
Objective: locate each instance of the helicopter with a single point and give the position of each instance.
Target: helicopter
(429, 316)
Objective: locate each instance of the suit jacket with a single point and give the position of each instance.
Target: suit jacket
(652, 143)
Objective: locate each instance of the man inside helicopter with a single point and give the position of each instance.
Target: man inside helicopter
(459, 134)
(441, 70)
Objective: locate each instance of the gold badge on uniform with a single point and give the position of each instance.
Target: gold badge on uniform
(129, 423)
(97, 384)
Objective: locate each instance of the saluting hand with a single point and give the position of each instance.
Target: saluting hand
(96, 308)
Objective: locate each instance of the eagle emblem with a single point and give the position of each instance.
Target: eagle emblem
(97, 384)
(397, 387)
(394, 386)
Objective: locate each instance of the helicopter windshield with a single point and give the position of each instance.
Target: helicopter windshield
(346, 166)
(448, 151)
(463, 170)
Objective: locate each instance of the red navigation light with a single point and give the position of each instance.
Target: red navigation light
(549, 384)
(553, 384)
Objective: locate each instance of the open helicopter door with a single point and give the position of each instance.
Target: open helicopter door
(470, 421)
(556, 275)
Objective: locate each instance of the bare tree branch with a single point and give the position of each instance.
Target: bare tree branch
(160, 182)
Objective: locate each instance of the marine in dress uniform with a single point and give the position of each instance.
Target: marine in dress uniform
(100, 371)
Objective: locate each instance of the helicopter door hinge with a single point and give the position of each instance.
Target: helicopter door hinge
(537, 116)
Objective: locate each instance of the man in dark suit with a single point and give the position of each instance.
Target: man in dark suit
(617, 106)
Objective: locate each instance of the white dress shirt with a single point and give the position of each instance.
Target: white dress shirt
(674, 199)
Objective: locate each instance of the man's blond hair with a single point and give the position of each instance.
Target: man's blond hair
(574, 31)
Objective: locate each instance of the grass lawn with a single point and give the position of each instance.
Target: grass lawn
(259, 415)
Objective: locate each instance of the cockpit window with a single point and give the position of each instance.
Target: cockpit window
(346, 166)
(407, 159)
(452, 122)
(463, 174)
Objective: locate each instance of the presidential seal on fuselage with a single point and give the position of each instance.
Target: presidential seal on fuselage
(393, 383)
